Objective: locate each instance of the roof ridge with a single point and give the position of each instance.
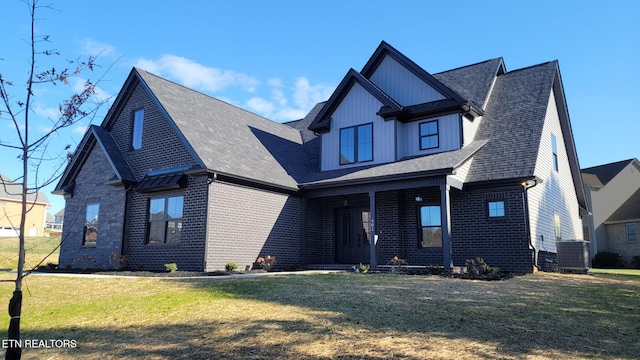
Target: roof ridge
(466, 66)
(531, 67)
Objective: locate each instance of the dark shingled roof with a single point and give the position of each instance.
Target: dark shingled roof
(605, 173)
(473, 82)
(513, 123)
(229, 140)
(629, 210)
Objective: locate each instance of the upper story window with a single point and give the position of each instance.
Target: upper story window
(91, 224)
(165, 219)
(554, 148)
(138, 121)
(356, 144)
(429, 135)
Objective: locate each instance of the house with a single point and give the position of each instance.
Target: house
(613, 196)
(11, 209)
(436, 169)
(55, 221)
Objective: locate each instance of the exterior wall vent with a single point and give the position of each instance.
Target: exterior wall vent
(573, 255)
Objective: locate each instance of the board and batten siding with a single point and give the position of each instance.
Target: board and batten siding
(408, 135)
(402, 85)
(469, 129)
(556, 194)
(357, 108)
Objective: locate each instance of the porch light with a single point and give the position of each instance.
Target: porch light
(418, 198)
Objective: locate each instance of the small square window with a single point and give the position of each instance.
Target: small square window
(496, 208)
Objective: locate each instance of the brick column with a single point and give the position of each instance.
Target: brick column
(372, 226)
(445, 214)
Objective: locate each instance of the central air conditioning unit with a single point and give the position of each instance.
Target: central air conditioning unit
(573, 255)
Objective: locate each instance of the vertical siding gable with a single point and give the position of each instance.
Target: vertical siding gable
(402, 85)
(358, 107)
(556, 194)
(448, 136)
(161, 146)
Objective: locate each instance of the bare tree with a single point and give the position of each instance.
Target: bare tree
(18, 108)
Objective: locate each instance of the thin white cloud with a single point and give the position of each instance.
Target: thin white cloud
(304, 96)
(79, 129)
(95, 48)
(52, 113)
(197, 76)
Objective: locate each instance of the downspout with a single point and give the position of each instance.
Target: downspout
(525, 199)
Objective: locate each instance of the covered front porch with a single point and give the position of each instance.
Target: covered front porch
(373, 223)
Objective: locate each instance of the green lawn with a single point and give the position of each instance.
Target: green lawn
(36, 250)
(328, 316)
(616, 272)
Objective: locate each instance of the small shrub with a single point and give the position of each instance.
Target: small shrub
(635, 262)
(231, 266)
(362, 268)
(117, 260)
(397, 261)
(266, 262)
(479, 267)
(606, 260)
(435, 269)
(172, 267)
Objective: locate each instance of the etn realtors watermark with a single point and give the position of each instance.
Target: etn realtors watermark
(37, 343)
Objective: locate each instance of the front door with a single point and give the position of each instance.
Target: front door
(353, 242)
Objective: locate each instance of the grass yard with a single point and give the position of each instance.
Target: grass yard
(329, 316)
(36, 249)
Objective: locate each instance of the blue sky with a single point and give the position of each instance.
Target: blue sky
(279, 58)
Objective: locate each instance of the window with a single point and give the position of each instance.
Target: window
(356, 144)
(554, 148)
(496, 208)
(585, 233)
(632, 232)
(91, 225)
(138, 120)
(165, 219)
(430, 227)
(557, 232)
(429, 135)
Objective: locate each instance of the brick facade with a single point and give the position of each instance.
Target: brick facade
(246, 223)
(500, 242)
(617, 235)
(90, 188)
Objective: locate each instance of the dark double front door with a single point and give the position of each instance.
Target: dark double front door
(353, 241)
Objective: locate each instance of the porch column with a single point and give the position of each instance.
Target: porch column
(372, 228)
(446, 227)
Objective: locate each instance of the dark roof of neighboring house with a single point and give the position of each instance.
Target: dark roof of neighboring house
(10, 190)
(629, 210)
(604, 173)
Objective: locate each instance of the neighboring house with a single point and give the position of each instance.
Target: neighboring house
(436, 169)
(613, 194)
(55, 222)
(11, 210)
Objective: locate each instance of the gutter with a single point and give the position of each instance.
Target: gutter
(526, 185)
